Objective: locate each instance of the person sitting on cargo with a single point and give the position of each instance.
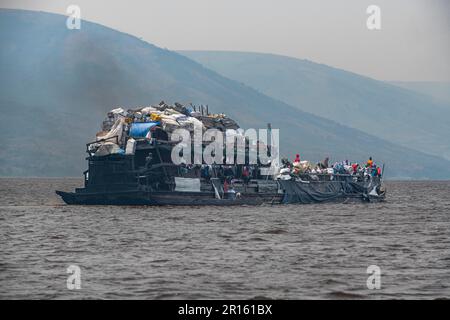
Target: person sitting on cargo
(231, 194)
(324, 164)
(297, 158)
(285, 163)
(339, 168)
(374, 170)
(379, 171)
(369, 163)
(355, 167)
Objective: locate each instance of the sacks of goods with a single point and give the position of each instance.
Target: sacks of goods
(120, 126)
(115, 134)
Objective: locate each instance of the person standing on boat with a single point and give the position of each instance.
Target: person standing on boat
(245, 174)
(324, 164)
(225, 186)
(374, 170)
(355, 168)
(204, 172)
(228, 172)
(220, 173)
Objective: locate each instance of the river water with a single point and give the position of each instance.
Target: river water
(319, 251)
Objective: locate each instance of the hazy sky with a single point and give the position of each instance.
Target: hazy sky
(412, 45)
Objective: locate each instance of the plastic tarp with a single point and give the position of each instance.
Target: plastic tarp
(140, 129)
(187, 184)
(108, 148)
(116, 131)
(310, 192)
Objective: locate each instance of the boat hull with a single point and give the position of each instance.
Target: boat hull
(190, 198)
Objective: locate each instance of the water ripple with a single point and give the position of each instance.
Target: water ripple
(270, 252)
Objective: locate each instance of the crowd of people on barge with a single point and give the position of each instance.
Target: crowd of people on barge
(287, 170)
(342, 167)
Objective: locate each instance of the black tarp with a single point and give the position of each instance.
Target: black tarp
(314, 192)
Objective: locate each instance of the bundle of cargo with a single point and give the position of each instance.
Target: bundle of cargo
(112, 117)
(138, 124)
(115, 133)
(301, 167)
(218, 121)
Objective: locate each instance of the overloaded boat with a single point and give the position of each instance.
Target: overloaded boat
(131, 162)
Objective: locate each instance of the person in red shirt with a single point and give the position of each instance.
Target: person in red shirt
(297, 158)
(245, 174)
(225, 186)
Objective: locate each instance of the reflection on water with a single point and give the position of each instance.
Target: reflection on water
(285, 252)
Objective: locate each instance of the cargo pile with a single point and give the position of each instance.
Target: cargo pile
(121, 129)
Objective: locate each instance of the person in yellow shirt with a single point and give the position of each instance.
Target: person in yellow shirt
(369, 163)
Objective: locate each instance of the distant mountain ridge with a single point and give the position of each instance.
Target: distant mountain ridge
(405, 117)
(437, 90)
(57, 84)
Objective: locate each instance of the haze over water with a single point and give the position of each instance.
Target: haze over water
(285, 252)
